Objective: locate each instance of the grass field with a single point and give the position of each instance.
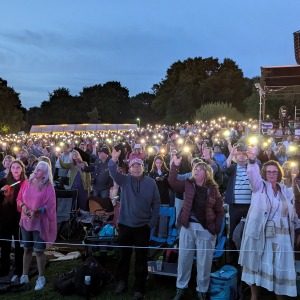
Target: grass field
(158, 287)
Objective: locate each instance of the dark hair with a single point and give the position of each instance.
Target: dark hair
(10, 180)
(272, 163)
(164, 167)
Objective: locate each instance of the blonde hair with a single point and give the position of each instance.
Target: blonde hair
(47, 179)
(8, 157)
(209, 173)
(79, 157)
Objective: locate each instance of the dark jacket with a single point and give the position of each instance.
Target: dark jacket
(231, 173)
(214, 211)
(163, 186)
(101, 179)
(262, 156)
(9, 216)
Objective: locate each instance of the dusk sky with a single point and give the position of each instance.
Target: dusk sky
(45, 45)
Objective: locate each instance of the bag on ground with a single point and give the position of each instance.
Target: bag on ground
(65, 283)
(99, 276)
(223, 284)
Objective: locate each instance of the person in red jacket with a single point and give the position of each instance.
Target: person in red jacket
(201, 218)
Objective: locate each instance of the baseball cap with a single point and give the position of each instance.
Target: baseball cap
(137, 161)
(104, 150)
(137, 146)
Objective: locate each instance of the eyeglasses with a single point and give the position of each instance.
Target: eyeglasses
(271, 172)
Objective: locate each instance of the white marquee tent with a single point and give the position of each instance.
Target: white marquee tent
(40, 129)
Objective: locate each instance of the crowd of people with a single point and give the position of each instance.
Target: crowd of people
(197, 168)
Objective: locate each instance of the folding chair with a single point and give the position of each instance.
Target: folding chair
(66, 202)
(220, 244)
(101, 206)
(165, 231)
(104, 214)
(163, 235)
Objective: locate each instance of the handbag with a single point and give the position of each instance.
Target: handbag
(270, 229)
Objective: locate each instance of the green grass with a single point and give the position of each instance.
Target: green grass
(157, 287)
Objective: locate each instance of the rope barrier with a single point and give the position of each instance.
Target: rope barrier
(133, 247)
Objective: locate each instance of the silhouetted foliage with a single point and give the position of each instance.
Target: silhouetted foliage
(11, 110)
(194, 82)
(216, 110)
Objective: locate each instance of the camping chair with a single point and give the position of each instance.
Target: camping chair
(66, 201)
(165, 231)
(101, 211)
(101, 207)
(164, 234)
(104, 215)
(220, 244)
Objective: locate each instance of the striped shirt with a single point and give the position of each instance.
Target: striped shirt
(242, 191)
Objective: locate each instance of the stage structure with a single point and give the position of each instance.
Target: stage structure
(297, 46)
(278, 83)
(79, 128)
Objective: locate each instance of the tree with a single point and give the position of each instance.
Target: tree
(11, 110)
(194, 82)
(215, 110)
(61, 107)
(93, 116)
(110, 99)
(141, 105)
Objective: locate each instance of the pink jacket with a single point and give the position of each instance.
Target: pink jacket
(45, 223)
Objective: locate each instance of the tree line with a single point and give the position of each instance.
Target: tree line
(196, 88)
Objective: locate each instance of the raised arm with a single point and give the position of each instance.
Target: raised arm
(64, 165)
(175, 183)
(113, 167)
(253, 171)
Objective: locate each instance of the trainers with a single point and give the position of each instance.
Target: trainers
(120, 288)
(138, 296)
(24, 279)
(40, 283)
(201, 296)
(15, 279)
(179, 294)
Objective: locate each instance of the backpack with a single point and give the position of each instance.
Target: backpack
(223, 284)
(65, 285)
(74, 281)
(99, 276)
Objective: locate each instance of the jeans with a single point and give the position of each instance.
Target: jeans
(101, 194)
(134, 236)
(32, 239)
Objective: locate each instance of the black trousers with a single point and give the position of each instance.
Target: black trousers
(5, 252)
(139, 237)
(236, 213)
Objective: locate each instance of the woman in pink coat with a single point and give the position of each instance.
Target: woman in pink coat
(37, 203)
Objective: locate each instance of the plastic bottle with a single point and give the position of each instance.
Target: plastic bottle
(159, 263)
(87, 282)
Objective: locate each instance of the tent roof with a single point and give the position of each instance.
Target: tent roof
(35, 129)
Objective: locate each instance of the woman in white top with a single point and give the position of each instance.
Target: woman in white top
(266, 253)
